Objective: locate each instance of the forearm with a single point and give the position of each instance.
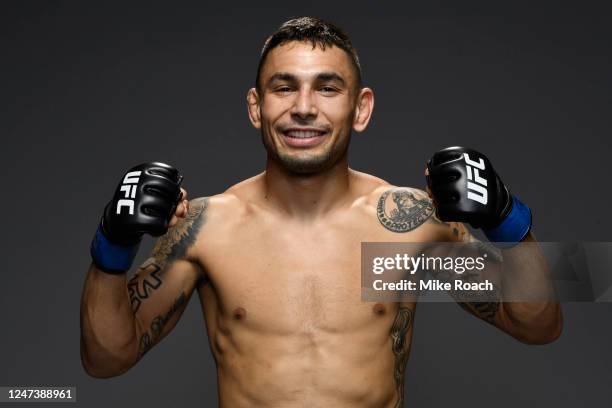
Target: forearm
(109, 335)
(530, 308)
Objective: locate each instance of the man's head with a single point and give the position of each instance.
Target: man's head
(308, 95)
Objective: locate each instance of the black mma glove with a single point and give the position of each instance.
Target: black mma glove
(465, 188)
(144, 202)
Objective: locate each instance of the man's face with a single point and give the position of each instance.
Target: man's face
(307, 105)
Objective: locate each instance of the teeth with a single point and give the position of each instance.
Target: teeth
(303, 134)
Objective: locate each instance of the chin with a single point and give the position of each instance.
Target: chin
(312, 164)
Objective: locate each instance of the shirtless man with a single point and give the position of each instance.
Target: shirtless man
(275, 259)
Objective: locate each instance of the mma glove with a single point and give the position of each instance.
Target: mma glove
(144, 202)
(465, 188)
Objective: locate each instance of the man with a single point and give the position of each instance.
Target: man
(275, 259)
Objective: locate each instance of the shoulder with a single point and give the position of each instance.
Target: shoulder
(217, 210)
(397, 209)
(400, 195)
(402, 209)
(231, 207)
(372, 188)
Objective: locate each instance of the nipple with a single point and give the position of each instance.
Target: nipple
(379, 309)
(239, 313)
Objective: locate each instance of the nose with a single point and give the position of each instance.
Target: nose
(304, 106)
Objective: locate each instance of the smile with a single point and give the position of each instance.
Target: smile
(303, 137)
(304, 134)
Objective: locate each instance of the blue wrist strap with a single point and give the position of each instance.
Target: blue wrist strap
(513, 228)
(112, 258)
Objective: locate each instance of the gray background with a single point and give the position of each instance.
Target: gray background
(89, 90)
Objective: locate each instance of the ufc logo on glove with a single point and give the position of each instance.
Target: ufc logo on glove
(476, 184)
(128, 187)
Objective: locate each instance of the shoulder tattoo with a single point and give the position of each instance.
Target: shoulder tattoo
(175, 243)
(403, 209)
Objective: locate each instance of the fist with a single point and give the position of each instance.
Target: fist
(465, 188)
(145, 201)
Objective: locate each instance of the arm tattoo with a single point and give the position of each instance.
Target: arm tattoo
(399, 329)
(148, 339)
(483, 304)
(484, 310)
(171, 246)
(175, 243)
(140, 291)
(493, 253)
(401, 210)
(487, 305)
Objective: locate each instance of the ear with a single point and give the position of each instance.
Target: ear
(253, 108)
(363, 111)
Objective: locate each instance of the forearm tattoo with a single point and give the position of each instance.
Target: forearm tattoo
(149, 338)
(399, 344)
(171, 246)
(483, 304)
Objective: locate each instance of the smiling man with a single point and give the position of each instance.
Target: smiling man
(275, 259)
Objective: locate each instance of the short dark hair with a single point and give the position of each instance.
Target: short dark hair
(317, 32)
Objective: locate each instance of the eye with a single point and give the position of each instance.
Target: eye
(282, 89)
(328, 89)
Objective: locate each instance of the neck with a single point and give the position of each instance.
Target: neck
(306, 196)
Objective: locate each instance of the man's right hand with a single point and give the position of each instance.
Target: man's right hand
(145, 201)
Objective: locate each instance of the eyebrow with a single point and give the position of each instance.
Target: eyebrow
(282, 76)
(322, 77)
(330, 77)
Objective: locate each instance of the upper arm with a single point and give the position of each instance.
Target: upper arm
(458, 232)
(405, 209)
(162, 285)
(487, 305)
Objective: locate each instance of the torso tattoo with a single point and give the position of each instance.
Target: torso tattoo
(399, 329)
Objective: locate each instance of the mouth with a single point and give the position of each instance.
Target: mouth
(303, 137)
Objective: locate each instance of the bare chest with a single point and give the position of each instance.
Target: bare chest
(297, 277)
(290, 278)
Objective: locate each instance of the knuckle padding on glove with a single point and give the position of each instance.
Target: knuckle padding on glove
(161, 188)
